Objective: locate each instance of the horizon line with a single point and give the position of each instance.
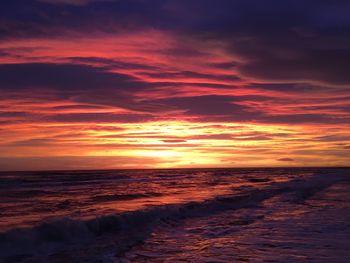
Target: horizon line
(181, 168)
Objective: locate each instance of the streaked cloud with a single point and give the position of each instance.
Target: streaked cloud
(174, 83)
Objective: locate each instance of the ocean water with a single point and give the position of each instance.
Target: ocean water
(176, 215)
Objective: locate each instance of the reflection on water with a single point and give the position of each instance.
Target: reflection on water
(279, 230)
(30, 197)
(177, 215)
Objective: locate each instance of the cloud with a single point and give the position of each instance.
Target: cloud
(112, 63)
(333, 138)
(272, 42)
(275, 42)
(189, 76)
(289, 42)
(173, 141)
(80, 83)
(211, 108)
(75, 162)
(219, 80)
(67, 77)
(98, 118)
(316, 66)
(210, 105)
(286, 160)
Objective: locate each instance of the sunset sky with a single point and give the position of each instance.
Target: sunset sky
(101, 84)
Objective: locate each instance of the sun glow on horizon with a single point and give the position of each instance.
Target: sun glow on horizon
(166, 144)
(156, 98)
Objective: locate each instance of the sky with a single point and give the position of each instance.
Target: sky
(104, 84)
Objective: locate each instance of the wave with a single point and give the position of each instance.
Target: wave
(121, 231)
(119, 197)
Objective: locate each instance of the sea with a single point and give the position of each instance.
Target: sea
(176, 215)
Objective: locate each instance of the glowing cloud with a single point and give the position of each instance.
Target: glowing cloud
(109, 84)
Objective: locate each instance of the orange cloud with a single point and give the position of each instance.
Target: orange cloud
(157, 99)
